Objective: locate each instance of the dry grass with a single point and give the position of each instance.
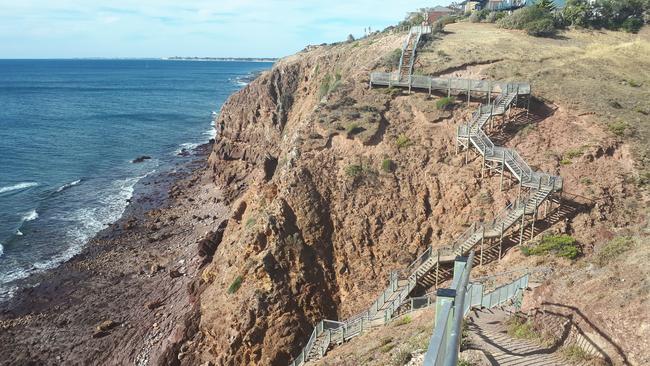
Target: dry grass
(586, 71)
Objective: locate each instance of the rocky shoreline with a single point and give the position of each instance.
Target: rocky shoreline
(127, 298)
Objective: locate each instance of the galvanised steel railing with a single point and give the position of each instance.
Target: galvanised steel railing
(453, 304)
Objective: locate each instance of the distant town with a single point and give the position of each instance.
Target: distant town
(245, 59)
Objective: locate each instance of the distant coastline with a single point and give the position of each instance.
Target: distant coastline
(240, 59)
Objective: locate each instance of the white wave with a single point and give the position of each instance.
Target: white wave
(30, 216)
(84, 224)
(186, 147)
(18, 186)
(19, 233)
(68, 185)
(2, 250)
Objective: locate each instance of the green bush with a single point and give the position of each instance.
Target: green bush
(235, 285)
(613, 249)
(388, 166)
(444, 103)
(406, 319)
(618, 128)
(403, 141)
(521, 329)
(474, 18)
(575, 354)
(392, 60)
(624, 15)
(561, 245)
(632, 25)
(544, 27)
(535, 20)
(353, 170)
(353, 129)
(328, 85)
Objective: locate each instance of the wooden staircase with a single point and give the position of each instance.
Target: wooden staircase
(434, 266)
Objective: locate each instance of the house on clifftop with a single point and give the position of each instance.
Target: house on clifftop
(433, 14)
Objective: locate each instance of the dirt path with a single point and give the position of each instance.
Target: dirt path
(488, 332)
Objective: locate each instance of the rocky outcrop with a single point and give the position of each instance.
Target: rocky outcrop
(331, 187)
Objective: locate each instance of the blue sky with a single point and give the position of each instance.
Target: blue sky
(159, 28)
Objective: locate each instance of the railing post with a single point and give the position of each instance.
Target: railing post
(532, 225)
(503, 167)
(444, 296)
(501, 240)
(523, 216)
(459, 266)
(437, 267)
(530, 94)
(482, 240)
(489, 91)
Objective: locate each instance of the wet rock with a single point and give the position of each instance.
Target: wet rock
(140, 159)
(154, 268)
(130, 224)
(175, 273)
(154, 304)
(106, 325)
(208, 245)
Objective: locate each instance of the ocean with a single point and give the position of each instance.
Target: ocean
(69, 131)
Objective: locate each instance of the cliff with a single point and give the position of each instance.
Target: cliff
(332, 185)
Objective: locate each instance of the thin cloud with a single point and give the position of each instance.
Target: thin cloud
(248, 28)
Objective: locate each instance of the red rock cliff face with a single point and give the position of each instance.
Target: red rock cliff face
(332, 186)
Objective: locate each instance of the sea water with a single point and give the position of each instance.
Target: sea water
(69, 130)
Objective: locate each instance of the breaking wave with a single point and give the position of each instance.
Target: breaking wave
(19, 186)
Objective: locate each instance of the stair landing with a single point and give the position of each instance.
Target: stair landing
(488, 332)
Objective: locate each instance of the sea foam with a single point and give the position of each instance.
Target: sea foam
(30, 216)
(68, 185)
(19, 186)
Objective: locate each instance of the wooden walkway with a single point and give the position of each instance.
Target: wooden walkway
(488, 333)
(434, 266)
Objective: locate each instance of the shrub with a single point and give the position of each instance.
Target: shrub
(613, 249)
(353, 170)
(632, 25)
(438, 26)
(544, 27)
(447, 19)
(444, 103)
(565, 161)
(250, 222)
(350, 38)
(492, 17)
(403, 141)
(574, 153)
(388, 166)
(575, 354)
(535, 20)
(521, 329)
(387, 347)
(561, 245)
(474, 18)
(406, 319)
(328, 85)
(392, 60)
(617, 128)
(353, 129)
(235, 285)
(402, 357)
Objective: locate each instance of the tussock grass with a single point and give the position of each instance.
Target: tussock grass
(560, 245)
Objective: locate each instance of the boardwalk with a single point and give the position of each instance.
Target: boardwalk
(488, 332)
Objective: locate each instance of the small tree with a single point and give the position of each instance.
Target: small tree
(546, 4)
(350, 38)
